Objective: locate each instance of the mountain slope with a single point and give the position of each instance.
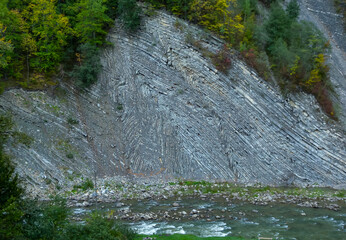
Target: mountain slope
(160, 109)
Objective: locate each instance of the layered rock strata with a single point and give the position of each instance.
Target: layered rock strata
(160, 109)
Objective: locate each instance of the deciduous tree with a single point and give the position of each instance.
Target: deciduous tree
(92, 21)
(50, 30)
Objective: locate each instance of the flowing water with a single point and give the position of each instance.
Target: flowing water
(276, 221)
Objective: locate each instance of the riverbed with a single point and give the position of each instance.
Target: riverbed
(217, 216)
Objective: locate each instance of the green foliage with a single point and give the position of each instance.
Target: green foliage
(179, 7)
(17, 4)
(98, 227)
(129, 13)
(222, 60)
(341, 8)
(72, 121)
(293, 9)
(50, 31)
(46, 220)
(111, 6)
(217, 16)
(6, 125)
(280, 53)
(6, 48)
(10, 190)
(89, 66)
(92, 21)
(85, 185)
(51, 221)
(20, 137)
(267, 3)
(278, 24)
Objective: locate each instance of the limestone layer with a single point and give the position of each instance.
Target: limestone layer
(161, 109)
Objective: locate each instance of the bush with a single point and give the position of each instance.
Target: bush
(45, 220)
(87, 184)
(89, 66)
(222, 60)
(10, 199)
(98, 227)
(129, 13)
(51, 221)
(10, 190)
(72, 121)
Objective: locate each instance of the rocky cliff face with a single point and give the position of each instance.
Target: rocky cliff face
(160, 109)
(322, 13)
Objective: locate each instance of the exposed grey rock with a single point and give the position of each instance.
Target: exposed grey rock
(119, 204)
(146, 119)
(331, 24)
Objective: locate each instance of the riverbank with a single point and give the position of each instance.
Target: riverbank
(216, 217)
(119, 192)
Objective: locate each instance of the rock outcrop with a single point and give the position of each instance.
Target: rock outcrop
(331, 24)
(161, 109)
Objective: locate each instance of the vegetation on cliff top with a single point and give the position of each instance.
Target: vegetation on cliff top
(41, 41)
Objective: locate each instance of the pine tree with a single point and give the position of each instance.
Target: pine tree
(293, 9)
(130, 14)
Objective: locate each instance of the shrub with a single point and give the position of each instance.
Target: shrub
(72, 121)
(222, 60)
(10, 194)
(85, 185)
(45, 220)
(89, 66)
(129, 14)
(322, 96)
(267, 2)
(293, 9)
(98, 227)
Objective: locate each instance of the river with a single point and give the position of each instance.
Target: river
(217, 217)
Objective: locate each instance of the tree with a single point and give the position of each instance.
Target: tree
(92, 21)
(50, 31)
(293, 9)
(10, 191)
(217, 16)
(5, 48)
(179, 7)
(89, 66)
(129, 13)
(112, 6)
(278, 24)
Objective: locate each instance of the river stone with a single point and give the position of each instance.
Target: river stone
(193, 211)
(119, 204)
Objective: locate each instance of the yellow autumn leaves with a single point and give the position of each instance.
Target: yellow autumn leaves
(218, 16)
